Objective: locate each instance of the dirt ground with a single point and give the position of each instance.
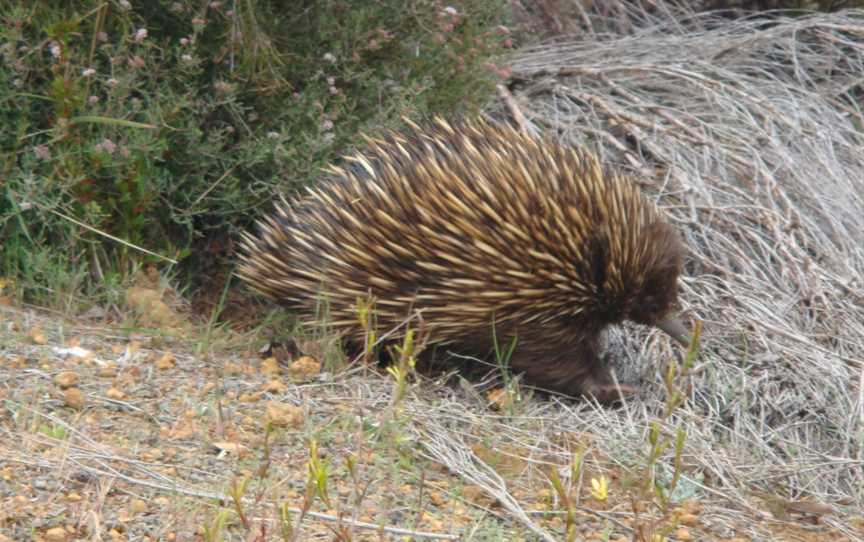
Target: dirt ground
(113, 433)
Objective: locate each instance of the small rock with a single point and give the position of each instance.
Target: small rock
(270, 366)
(74, 398)
(37, 336)
(114, 393)
(167, 361)
(138, 506)
(232, 448)
(65, 379)
(275, 386)
(437, 498)
(232, 368)
(683, 534)
(500, 399)
(305, 368)
(283, 414)
(476, 495)
(688, 519)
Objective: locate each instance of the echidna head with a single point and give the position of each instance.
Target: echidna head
(656, 299)
(657, 295)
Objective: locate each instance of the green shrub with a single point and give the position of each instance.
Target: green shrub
(169, 126)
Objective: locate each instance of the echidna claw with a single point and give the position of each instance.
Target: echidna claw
(610, 393)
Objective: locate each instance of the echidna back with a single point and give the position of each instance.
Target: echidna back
(469, 224)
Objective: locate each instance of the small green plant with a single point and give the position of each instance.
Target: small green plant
(316, 485)
(318, 473)
(600, 488)
(237, 491)
(143, 132)
(570, 498)
(644, 486)
(285, 522)
(403, 368)
(317, 338)
(366, 317)
(205, 342)
(512, 389)
(648, 487)
(213, 530)
(54, 431)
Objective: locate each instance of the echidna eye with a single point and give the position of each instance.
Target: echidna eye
(650, 305)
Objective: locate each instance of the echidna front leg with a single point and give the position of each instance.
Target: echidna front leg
(573, 369)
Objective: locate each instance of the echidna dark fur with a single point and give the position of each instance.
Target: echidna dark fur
(469, 223)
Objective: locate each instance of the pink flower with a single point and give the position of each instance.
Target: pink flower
(223, 87)
(42, 152)
(140, 35)
(107, 146)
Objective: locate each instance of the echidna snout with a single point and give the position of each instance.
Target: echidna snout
(475, 224)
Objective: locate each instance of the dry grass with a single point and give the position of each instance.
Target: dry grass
(756, 135)
(758, 156)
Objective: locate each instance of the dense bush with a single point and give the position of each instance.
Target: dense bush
(167, 126)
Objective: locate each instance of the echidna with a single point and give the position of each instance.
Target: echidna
(475, 223)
